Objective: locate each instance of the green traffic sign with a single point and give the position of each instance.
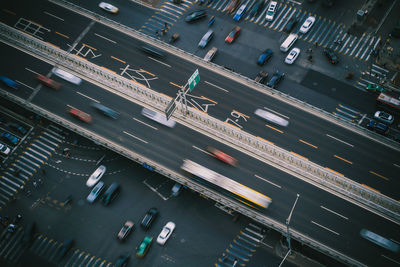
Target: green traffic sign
(194, 80)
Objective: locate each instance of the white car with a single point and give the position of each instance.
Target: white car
(67, 76)
(96, 176)
(271, 117)
(293, 54)
(108, 7)
(210, 54)
(307, 24)
(4, 149)
(165, 233)
(384, 117)
(158, 117)
(269, 16)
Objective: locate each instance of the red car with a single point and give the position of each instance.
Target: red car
(233, 35)
(80, 115)
(222, 156)
(48, 82)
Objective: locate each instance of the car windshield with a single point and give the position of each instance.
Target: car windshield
(165, 232)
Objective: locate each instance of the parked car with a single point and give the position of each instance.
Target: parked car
(222, 156)
(269, 16)
(240, 12)
(158, 117)
(9, 138)
(196, 15)
(261, 76)
(110, 194)
(330, 54)
(233, 35)
(80, 114)
(307, 24)
(264, 57)
(149, 218)
(48, 82)
(67, 76)
(384, 117)
(292, 22)
(4, 150)
(275, 79)
(292, 56)
(15, 126)
(96, 176)
(122, 260)
(29, 232)
(144, 247)
(257, 7)
(96, 192)
(165, 233)
(128, 227)
(380, 128)
(106, 111)
(66, 246)
(210, 54)
(10, 83)
(373, 87)
(206, 38)
(108, 7)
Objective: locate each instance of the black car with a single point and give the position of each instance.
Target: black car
(261, 77)
(330, 54)
(122, 260)
(275, 79)
(148, 219)
(29, 232)
(66, 246)
(290, 25)
(256, 8)
(196, 15)
(111, 193)
(17, 127)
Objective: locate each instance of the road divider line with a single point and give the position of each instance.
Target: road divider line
(386, 257)
(120, 60)
(89, 46)
(63, 35)
(25, 85)
(9, 11)
(298, 155)
(396, 165)
(54, 16)
(338, 173)
(334, 212)
(265, 180)
(34, 72)
(145, 71)
(202, 150)
(370, 188)
(148, 125)
(326, 228)
(337, 139)
(131, 135)
(215, 102)
(273, 128)
(311, 145)
(345, 160)
(265, 140)
(216, 86)
(88, 97)
(244, 115)
(158, 61)
(277, 113)
(155, 191)
(105, 38)
(380, 176)
(176, 85)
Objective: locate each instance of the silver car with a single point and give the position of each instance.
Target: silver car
(67, 76)
(384, 117)
(158, 117)
(96, 176)
(206, 38)
(96, 192)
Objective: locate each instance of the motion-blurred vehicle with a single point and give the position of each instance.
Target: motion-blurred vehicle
(96, 176)
(48, 82)
(275, 79)
(158, 117)
(67, 76)
(165, 233)
(106, 111)
(9, 138)
(122, 260)
(271, 117)
(384, 117)
(330, 54)
(233, 35)
(222, 156)
(210, 54)
(176, 189)
(173, 38)
(149, 218)
(96, 192)
(307, 24)
(196, 15)
(111, 193)
(10, 83)
(373, 87)
(379, 240)
(292, 22)
(108, 7)
(261, 77)
(80, 115)
(292, 56)
(15, 126)
(4, 150)
(264, 57)
(126, 230)
(240, 12)
(231, 6)
(269, 16)
(151, 50)
(206, 38)
(144, 247)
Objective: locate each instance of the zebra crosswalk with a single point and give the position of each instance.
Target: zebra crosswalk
(34, 155)
(242, 248)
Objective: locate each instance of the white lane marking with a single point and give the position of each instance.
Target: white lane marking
(131, 135)
(105, 38)
(25, 85)
(199, 149)
(32, 71)
(160, 62)
(155, 190)
(326, 228)
(390, 259)
(344, 217)
(265, 180)
(337, 139)
(148, 125)
(88, 97)
(276, 112)
(396, 165)
(265, 244)
(216, 86)
(54, 16)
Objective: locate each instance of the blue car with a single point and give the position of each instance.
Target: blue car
(11, 139)
(106, 111)
(9, 82)
(264, 57)
(240, 12)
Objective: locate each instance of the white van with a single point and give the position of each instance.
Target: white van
(67, 76)
(290, 40)
(269, 16)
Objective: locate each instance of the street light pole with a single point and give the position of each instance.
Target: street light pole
(288, 222)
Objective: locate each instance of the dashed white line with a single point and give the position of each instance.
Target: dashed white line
(216, 86)
(148, 125)
(32, 71)
(326, 228)
(276, 112)
(202, 150)
(131, 135)
(54, 16)
(88, 97)
(344, 217)
(337, 139)
(265, 180)
(165, 64)
(396, 165)
(105, 38)
(390, 259)
(25, 85)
